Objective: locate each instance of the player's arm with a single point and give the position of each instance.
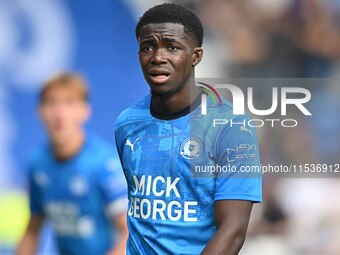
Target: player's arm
(28, 244)
(231, 219)
(112, 185)
(235, 192)
(121, 226)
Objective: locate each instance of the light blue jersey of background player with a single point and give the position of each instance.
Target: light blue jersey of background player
(75, 180)
(80, 196)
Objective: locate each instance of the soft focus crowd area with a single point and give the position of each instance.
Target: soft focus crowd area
(286, 39)
(260, 39)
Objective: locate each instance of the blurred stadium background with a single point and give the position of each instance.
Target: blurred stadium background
(243, 38)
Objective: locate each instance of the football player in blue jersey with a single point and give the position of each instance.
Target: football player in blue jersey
(164, 137)
(75, 181)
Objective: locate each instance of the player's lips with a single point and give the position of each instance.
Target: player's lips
(159, 75)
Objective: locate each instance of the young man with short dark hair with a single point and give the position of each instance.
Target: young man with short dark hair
(74, 182)
(163, 135)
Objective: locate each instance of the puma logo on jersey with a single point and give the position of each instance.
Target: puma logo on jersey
(132, 145)
(243, 128)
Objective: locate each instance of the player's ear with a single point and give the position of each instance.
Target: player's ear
(197, 56)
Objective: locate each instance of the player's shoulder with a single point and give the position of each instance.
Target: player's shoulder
(224, 110)
(226, 105)
(98, 147)
(39, 157)
(221, 122)
(137, 112)
(99, 154)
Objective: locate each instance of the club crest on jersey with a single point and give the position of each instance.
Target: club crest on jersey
(79, 185)
(191, 147)
(41, 178)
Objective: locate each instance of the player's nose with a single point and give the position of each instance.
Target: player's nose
(159, 57)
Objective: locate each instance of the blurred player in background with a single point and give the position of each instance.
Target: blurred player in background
(164, 134)
(73, 180)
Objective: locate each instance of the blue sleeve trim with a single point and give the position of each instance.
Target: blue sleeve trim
(256, 198)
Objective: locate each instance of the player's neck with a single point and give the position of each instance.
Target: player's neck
(177, 101)
(68, 148)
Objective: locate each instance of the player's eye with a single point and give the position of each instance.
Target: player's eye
(172, 48)
(50, 102)
(147, 48)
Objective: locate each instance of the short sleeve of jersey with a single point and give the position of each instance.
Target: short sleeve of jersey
(112, 186)
(237, 149)
(35, 193)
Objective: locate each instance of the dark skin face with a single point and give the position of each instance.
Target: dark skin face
(168, 56)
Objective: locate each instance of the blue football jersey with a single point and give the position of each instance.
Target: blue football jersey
(173, 167)
(79, 196)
